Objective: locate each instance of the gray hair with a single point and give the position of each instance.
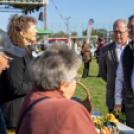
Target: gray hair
(120, 21)
(56, 64)
(85, 40)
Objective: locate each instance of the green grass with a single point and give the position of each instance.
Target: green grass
(96, 87)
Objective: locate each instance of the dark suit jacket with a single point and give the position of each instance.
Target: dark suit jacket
(108, 63)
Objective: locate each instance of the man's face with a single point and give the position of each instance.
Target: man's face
(120, 34)
(131, 28)
(3, 63)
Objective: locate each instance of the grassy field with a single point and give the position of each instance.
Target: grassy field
(96, 87)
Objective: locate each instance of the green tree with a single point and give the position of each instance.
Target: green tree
(55, 35)
(63, 34)
(99, 32)
(74, 34)
(84, 33)
(111, 35)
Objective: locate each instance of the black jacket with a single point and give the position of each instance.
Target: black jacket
(16, 83)
(127, 64)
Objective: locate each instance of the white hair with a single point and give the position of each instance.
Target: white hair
(117, 22)
(58, 63)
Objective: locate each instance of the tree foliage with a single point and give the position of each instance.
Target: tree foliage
(99, 32)
(74, 34)
(60, 34)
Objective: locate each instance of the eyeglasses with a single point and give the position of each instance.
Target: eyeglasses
(9, 58)
(119, 32)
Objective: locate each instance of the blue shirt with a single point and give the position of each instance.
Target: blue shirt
(2, 124)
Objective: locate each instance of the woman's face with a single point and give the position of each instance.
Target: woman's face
(30, 34)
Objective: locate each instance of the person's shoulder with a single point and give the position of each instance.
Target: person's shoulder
(71, 105)
(17, 62)
(68, 104)
(108, 47)
(128, 47)
(130, 43)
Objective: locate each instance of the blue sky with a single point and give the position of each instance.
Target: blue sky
(104, 13)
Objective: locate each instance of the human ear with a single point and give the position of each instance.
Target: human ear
(61, 87)
(22, 33)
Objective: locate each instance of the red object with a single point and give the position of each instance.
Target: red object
(55, 115)
(62, 39)
(88, 112)
(99, 48)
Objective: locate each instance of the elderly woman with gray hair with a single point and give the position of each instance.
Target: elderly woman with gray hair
(54, 75)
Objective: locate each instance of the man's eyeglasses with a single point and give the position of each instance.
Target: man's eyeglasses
(119, 32)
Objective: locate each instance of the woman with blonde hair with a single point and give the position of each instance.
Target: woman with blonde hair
(22, 32)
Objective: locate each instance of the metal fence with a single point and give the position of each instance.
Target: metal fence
(76, 27)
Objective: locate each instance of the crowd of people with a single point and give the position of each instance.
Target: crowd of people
(47, 81)
(35, 92)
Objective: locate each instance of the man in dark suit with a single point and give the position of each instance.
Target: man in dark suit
(109, 59)
(124, 87)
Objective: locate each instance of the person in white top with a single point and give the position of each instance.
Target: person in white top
(109, 59)
(74, 45)
(124, 87)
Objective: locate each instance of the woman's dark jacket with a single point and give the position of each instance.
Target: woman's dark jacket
(16, 83)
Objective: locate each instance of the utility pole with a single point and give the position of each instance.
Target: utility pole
(45, 17)
(68, 24)
(45, 21)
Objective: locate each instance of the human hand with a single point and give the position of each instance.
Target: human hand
(117, 108)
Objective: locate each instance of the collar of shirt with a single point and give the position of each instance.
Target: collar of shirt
(119, 46)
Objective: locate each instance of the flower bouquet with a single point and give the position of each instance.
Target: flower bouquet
(107, 124)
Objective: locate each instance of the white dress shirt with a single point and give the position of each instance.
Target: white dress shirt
(119, 81)
(119, 49)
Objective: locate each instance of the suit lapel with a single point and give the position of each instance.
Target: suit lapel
(114, 54)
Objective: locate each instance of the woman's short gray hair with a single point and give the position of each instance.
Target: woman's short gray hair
(56, 64)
